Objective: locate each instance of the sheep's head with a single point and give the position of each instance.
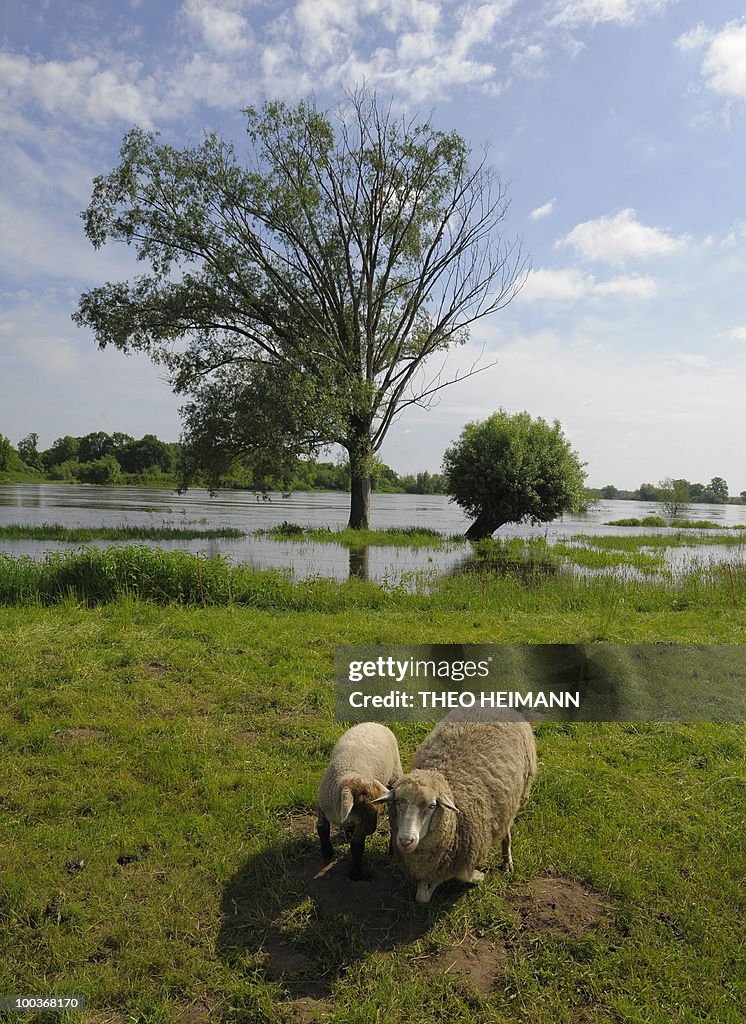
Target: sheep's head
(417, 799)
(356, 798)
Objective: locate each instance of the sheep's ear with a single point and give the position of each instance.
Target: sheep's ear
(345, 805)
(444, 801)
(387, 797)
(378, 789)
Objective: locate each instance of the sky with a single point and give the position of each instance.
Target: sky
(619, 124)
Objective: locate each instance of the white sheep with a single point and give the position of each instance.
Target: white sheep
(467, 783)
(364, 763)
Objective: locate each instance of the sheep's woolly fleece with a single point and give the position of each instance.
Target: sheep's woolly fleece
(365, 753)
(486, 768)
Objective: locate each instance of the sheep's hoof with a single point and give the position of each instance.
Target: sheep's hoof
(507, 864)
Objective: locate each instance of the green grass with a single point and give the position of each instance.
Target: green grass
(94, 576)
(394, 536)
(85, 534)
(679, 524)
(660, 540)
(156, 760)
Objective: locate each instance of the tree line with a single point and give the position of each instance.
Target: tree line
(681, 490)
(102, 458)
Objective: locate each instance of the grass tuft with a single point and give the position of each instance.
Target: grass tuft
(85, 534)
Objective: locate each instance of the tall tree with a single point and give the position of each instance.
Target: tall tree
(295, 297)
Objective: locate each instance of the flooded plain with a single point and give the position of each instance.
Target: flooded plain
(88, 506)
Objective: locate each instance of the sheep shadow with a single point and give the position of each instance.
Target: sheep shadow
(303, 923)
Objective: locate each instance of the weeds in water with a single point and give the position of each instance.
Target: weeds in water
(85, 534)
(94, 577)
(393, 536)
(678, 524)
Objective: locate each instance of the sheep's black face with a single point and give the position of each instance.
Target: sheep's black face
(362, 821)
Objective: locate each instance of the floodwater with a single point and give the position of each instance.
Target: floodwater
(87, 505)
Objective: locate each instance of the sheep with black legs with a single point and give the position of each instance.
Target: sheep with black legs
(468, 781)
(364, 764)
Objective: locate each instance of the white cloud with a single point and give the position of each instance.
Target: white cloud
(724, 63)
(735, 334)
(220, 24)
(572, 284)
(628, 285)
(82, 89)
(691, 359)
(543, 211)
(618, 237)
(546, 285)
(418, 53)
(593, 12)
(679, 412)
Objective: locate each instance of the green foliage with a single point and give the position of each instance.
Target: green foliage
(6, 454)
(101, 471)
(392, 536)
(28, 451)
(64, 449)
(68, 471)
(11, 465)
(633, 521)
(714, 493)
(84, 534)
(508, 468)
(147, 454)
(673, 496)
(309, 281)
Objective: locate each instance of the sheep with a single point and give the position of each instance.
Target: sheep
(364, 764)
(468, 781)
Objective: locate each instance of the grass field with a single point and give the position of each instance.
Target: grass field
(159, 854)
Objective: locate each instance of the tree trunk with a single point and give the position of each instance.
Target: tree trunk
(359, 501)
(360, 485)
(483, 526)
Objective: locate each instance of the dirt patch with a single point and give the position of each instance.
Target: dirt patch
(381, 905)
(303, 824)
(104, 1017)
(307, 1011)
(200, 1012)
(479, 960)
(560, 906)
(158, 668)
(246, 736)
(67, 736)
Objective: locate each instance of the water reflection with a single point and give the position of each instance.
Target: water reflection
(360, 563)
(524, 569)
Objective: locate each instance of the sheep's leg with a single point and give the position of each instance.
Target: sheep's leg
(425, 891)
(323, 830)
(470, 875)
(357, 848)
(507, 864)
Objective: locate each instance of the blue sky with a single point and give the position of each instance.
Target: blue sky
(619, 123)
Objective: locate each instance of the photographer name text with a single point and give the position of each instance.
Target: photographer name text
(440, 699)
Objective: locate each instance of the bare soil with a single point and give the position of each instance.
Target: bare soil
(560, 906)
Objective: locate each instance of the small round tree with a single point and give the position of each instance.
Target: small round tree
(509, 468)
